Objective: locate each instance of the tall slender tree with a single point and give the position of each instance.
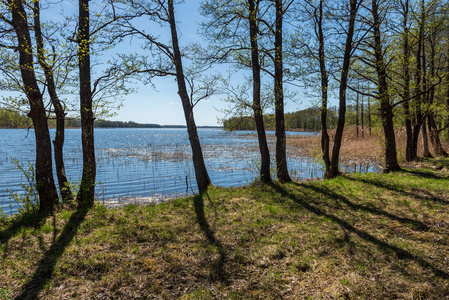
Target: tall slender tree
(258, 117)
(202, 177)
(281, 151)
(404, 8)
(234, 31)
(48, 195)
(348, 51)
(58, 142)
(386, 109)
(86, 193)
(162, 59)
(317, 54)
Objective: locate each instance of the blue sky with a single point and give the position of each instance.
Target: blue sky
(162, 105)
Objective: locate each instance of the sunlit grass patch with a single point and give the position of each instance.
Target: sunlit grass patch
(359, 236)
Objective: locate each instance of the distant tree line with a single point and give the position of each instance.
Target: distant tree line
(112, 124)
(11, 119)
(308, 119)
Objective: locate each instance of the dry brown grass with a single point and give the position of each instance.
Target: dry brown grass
(362, 148)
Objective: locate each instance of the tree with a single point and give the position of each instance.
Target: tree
(386, 109)
(234, 32)
(437, 31)
(263, 146)
(48, 195)
(281, 152)
(86, 193)
(162, 59)
(316, 52)
(58, 142)
(404, 11)
(202, 177)
(349, 48)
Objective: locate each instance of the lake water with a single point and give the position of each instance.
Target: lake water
(148, 164)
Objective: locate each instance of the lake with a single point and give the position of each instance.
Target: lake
(148, 164)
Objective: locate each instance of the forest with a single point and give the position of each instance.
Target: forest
(307, 120)
(369, 63)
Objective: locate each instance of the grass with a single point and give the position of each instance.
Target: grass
(359, 236)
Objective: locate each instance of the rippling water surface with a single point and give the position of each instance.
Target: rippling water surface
(148, 163)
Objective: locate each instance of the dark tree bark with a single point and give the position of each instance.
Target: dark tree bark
(357, 114)
(386, 109)
(281, 151)
(435, 138)
(58, 142)
(425, 140)
(48, 196)
(406, 93)
(447, 95)
(202, 177)
(333, 170)
(424, 136)
(369, 116)
(257, 108)
(419, 116)
(324, 88)
(86, 192)
(362, 118)
(434, 133)
(447, 99)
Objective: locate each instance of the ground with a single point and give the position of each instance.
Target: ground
(359, 236)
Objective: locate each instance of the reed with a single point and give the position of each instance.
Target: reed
(362, 148)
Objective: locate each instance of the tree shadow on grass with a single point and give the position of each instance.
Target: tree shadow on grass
(432, 163)
(424, 174)
(417, 225)
(218, 267)
(396, 188)
(46, 265)
(25, 220)
(384, 246)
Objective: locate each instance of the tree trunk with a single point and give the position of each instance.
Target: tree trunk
(357, 114)
(435, 138)
(362, 119)
(333, 170)
(419, 116)
(369, 116)
(324, 89)
(257, 108)
(425, 140)
(48, 196)
(447, 102)
(86, 193)
(415, 137)
(202, 177)
(406, 93)
(433, 130)
(58, 142)
(281, 151)
(391, 163)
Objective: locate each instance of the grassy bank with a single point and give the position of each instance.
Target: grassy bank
(358, 236)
